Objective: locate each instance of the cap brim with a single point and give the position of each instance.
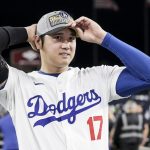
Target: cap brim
(59, 29)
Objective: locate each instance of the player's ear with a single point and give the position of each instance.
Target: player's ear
(32, 43)
(38, 42)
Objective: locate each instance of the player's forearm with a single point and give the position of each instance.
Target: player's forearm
(12, 36)
(136, 62)
(9, 36)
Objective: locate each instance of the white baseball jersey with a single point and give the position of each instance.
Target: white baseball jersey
(68, 112)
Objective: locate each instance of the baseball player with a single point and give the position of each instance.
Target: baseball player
(61, 107)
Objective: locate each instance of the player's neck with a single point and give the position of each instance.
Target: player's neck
(53, 69)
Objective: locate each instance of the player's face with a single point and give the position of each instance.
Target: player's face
(58, 49)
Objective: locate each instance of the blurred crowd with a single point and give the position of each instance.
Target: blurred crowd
(129, 123)
(8, 138)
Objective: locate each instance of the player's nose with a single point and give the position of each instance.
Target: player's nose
(66, 45)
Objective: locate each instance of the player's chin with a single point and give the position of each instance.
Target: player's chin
(65, 62)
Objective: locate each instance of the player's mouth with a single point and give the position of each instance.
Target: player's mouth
(64, 55)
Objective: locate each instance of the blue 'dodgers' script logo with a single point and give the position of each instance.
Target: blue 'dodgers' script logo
(69, 106)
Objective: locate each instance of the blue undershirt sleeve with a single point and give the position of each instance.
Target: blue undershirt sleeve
(136, 76)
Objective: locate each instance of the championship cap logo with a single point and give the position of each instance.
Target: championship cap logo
(60, 18)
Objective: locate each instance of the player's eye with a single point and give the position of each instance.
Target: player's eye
(71, 38)
(58, 37)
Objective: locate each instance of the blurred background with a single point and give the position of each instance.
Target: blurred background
(128, 20)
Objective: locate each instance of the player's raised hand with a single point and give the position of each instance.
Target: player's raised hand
(31, 31)
(88, 30)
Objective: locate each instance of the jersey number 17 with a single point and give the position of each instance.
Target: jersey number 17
(90, 122)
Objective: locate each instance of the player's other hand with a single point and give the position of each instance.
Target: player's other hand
(31, 31)
(88, 30)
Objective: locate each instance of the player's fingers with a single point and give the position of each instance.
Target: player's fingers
(32, 44)
(79, 32)
(72, 24)
(82, 20)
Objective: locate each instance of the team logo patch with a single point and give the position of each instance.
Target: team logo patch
(61, 18)
(67, 108)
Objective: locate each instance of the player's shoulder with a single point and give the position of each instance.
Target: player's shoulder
(83, 71)
(98, 68)
(97, 71)
(16, 72)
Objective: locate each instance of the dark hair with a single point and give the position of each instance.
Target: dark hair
(42, 37)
